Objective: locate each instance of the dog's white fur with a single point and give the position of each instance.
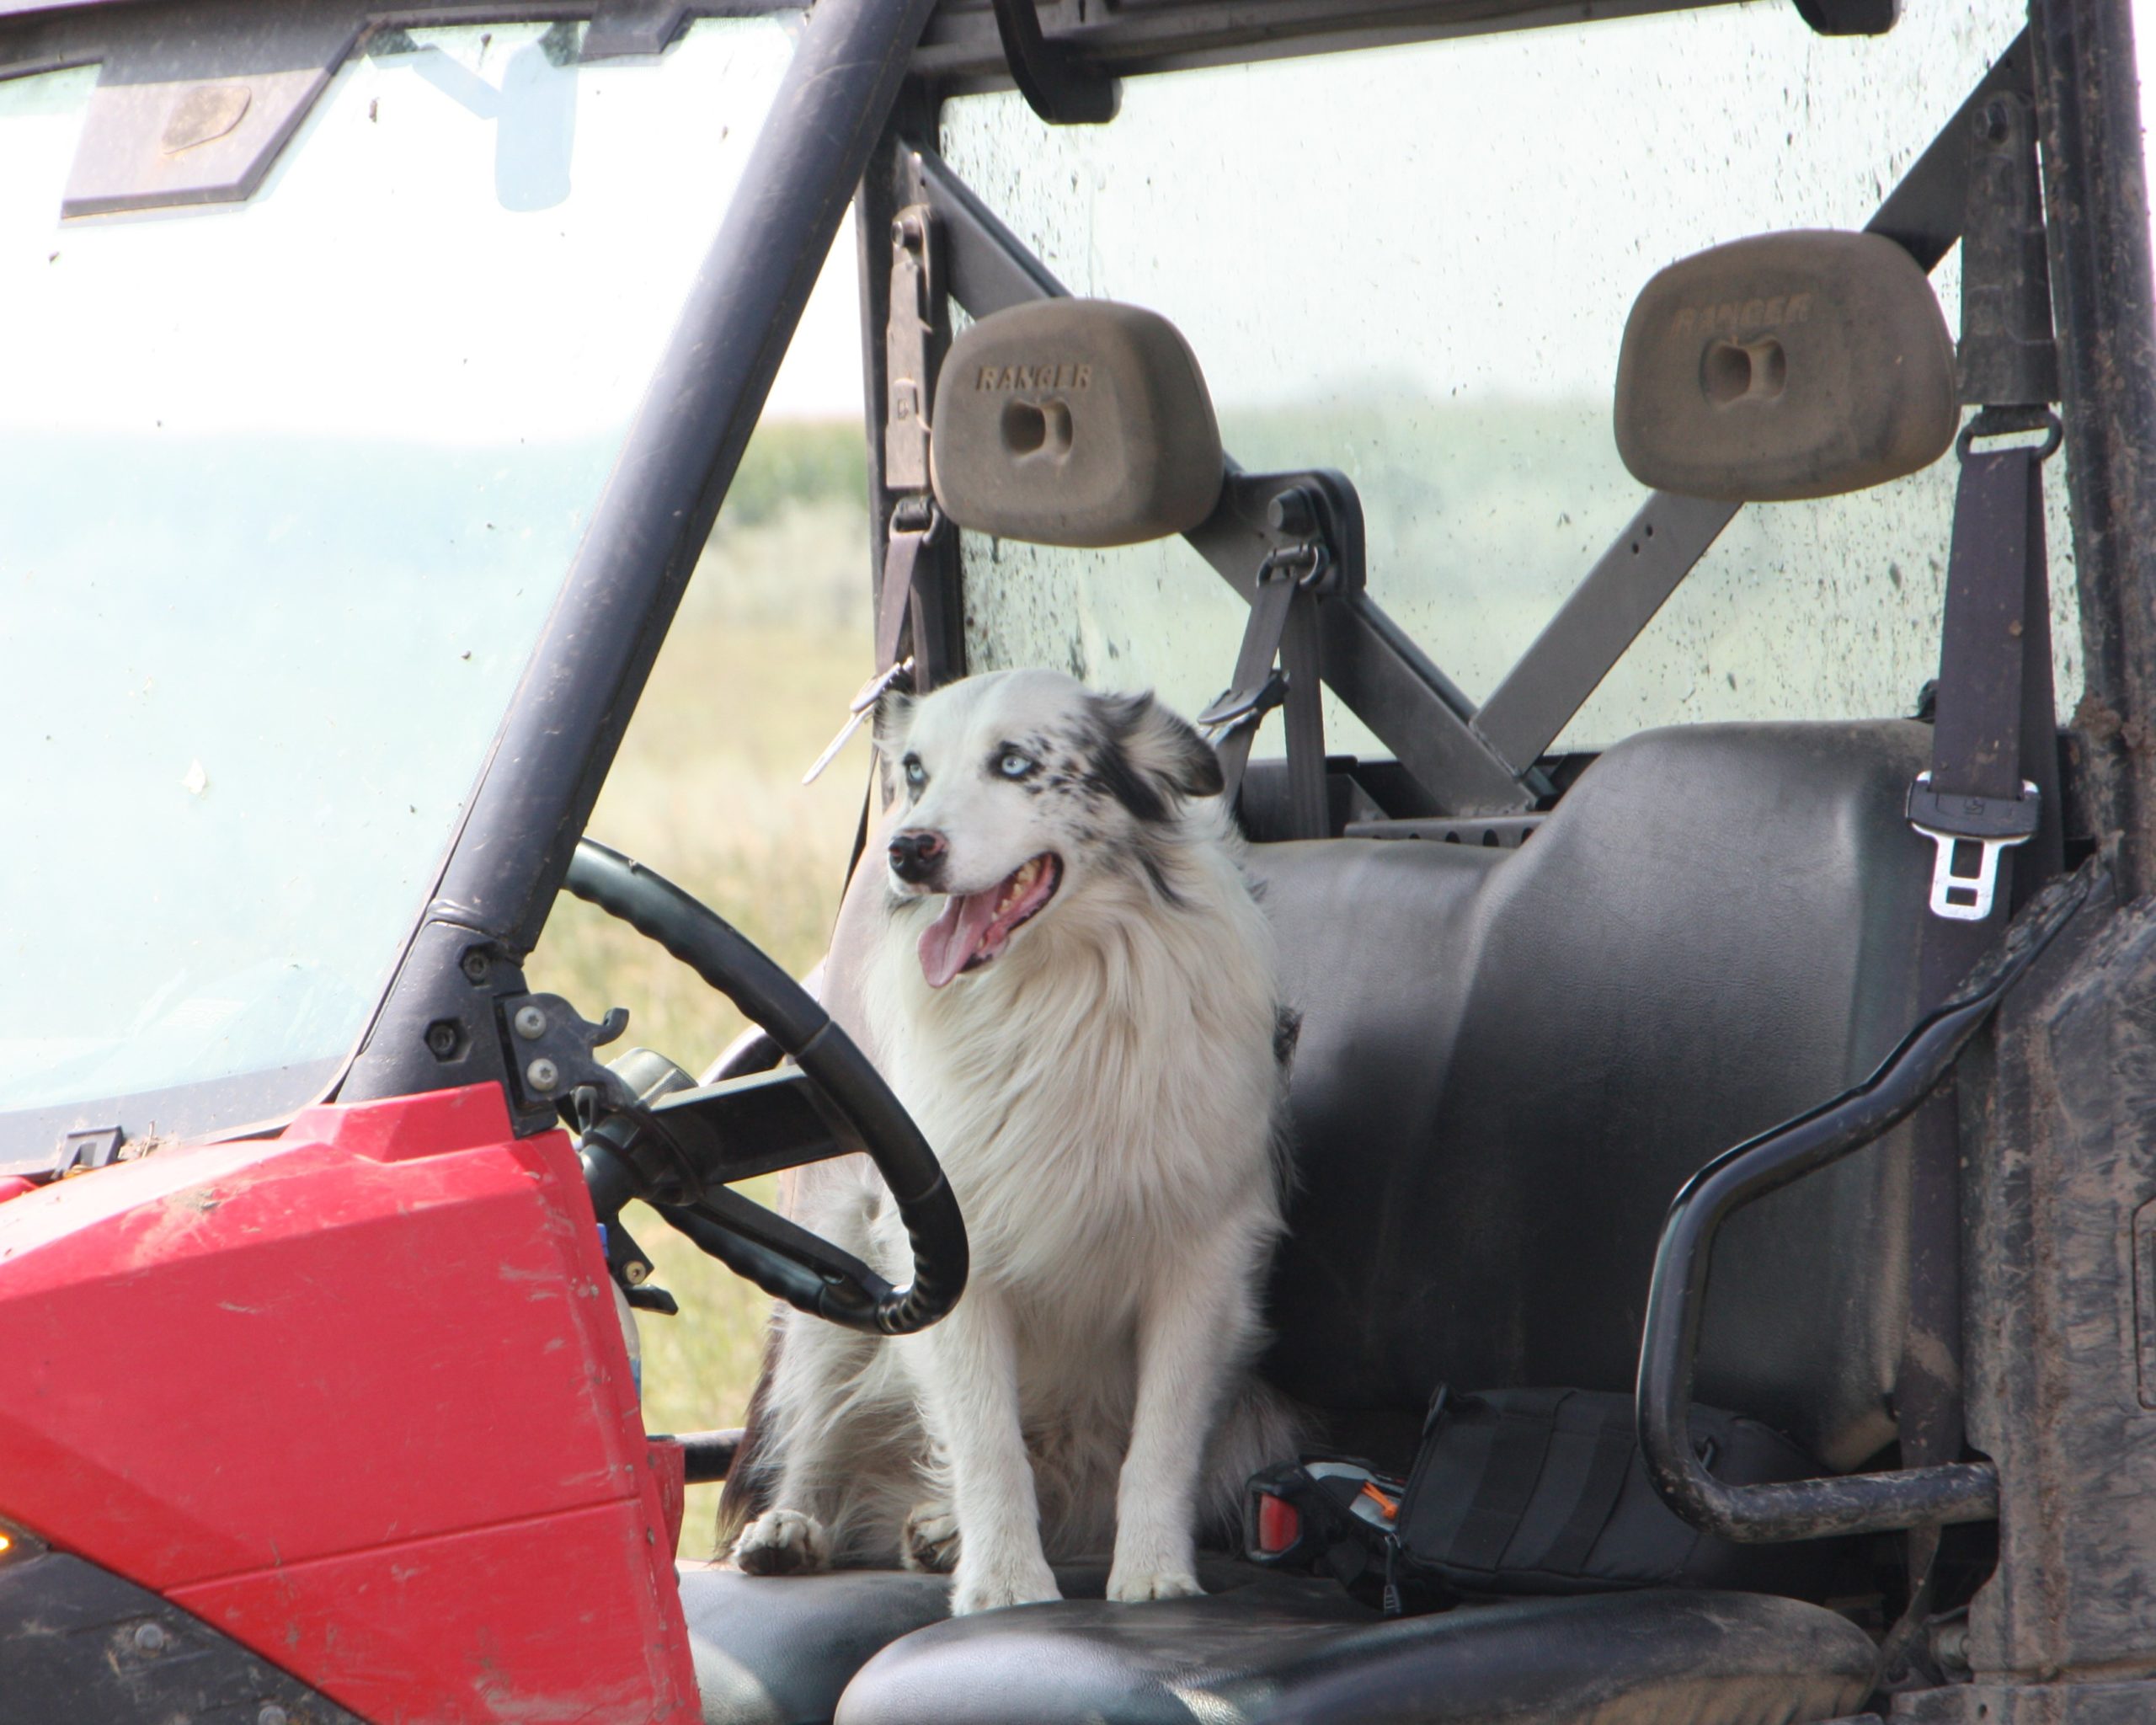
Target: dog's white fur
(1103, 1097)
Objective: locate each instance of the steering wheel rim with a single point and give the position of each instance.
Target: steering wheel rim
(832, 1285)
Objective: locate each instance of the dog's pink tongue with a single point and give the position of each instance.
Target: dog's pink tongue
(949, 943)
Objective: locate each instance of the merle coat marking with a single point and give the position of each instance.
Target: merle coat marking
(1072, 987)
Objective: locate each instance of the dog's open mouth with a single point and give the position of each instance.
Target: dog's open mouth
(976, 926)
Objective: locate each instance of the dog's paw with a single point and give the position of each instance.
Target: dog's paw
(929, 1541)
(783, 1542)
(1135, 1585)
(991, 1586)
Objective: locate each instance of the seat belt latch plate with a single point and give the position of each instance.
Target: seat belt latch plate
(1241, 706)
(1991, 824)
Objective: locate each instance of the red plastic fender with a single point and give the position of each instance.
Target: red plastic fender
(358, 1396)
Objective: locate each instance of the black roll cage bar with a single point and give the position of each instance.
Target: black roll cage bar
(535, 796)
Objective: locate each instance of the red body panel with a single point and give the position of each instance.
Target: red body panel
(359, 1397)
(670, 1468)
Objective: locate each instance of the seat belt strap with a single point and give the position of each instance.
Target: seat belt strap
(1282, 628)
(1258, 687)
(1991, 790)
(1973, 803)
(1310, 814)
(914, 524)
(914, 321)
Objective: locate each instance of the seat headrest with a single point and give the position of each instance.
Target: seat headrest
(1785, 366)
(1075, 422)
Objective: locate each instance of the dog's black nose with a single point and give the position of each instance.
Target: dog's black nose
(917, 854)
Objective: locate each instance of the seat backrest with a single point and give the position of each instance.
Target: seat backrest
(1510, 1060)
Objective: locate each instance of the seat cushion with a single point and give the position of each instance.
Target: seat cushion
(778, 1649)
(1641, 1658)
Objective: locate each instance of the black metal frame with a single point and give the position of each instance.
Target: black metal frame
(2096, 218)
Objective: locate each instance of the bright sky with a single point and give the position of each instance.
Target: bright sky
(821, 377)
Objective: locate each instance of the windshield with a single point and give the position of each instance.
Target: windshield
(288, 488)
(1460, 230)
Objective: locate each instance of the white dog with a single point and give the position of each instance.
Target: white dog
(1073, 990)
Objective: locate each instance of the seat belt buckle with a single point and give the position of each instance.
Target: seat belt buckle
(1991, 824)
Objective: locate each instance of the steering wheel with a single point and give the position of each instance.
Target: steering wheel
(649, 1131)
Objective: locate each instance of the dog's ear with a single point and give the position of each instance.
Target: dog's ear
(893, 720)
(1150, 758)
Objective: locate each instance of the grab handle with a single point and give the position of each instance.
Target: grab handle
(1849, 1503)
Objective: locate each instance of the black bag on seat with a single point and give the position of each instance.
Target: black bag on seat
(1530, 1492)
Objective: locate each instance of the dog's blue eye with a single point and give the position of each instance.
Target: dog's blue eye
(916, 774)
(1013, 764)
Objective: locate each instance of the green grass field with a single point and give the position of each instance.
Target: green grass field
(771, 641)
